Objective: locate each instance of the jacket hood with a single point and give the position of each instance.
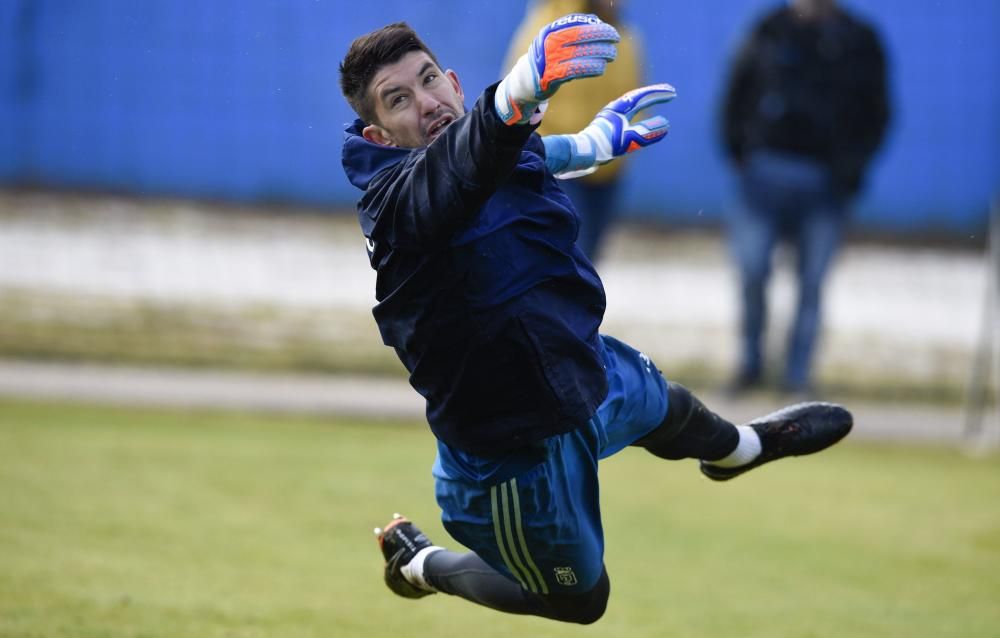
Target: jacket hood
(363, 160)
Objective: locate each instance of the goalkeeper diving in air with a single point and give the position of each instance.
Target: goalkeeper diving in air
(496, 314)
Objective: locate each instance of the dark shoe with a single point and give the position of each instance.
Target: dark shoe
(793, 431)
(400, 541)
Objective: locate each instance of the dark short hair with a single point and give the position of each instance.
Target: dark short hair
(370, 53)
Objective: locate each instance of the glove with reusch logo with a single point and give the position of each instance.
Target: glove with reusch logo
(610, 134)
(575, 46)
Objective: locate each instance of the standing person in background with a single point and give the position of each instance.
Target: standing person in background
(596, 196)
(805, 110)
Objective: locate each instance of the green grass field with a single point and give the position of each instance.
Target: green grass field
(122, 522)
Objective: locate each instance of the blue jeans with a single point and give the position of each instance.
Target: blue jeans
(597, 205)
(787, 198)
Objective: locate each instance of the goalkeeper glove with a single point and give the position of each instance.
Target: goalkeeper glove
(610, 134)
(575, 46)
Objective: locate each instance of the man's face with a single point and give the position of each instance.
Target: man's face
(414, 101)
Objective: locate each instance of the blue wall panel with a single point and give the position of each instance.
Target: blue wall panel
(239, 99)
(16, 57)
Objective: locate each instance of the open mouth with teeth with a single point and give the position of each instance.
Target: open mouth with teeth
(437, 126)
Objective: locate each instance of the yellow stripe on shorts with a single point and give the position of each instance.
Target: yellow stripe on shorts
(510, 538)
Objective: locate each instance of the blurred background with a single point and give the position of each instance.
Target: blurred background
(172, 190)
(240, 101)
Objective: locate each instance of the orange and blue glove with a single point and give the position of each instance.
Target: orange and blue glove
(577, 45)
(610, 134)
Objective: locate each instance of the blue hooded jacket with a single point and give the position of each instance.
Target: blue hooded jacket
(481, 288)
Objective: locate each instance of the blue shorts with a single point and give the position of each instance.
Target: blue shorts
(534, 514)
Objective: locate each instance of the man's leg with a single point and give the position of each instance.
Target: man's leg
(752, 238)
(468, 576)
(532, 517)
(690, 430)
(817, 241)
(415, 568)
(532, 520)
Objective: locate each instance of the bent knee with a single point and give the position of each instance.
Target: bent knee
(593, 611)
(584, 609)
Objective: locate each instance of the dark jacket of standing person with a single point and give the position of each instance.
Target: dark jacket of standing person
(810, 88)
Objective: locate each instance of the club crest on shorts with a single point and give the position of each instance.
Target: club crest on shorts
(565, 576)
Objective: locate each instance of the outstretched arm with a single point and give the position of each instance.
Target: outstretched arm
(422, 200)
(610, 134)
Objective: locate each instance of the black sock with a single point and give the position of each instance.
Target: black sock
(690, 430)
